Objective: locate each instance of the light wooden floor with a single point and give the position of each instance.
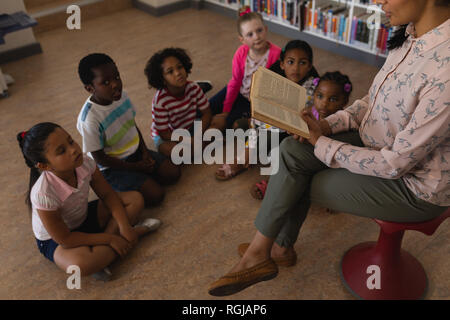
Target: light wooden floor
(204, 220)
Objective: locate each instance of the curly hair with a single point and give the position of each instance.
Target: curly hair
(89, 62)
(153, 69)
(340, 79)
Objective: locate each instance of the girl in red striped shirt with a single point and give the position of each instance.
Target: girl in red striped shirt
(178, 102)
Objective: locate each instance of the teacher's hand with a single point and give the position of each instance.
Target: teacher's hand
(315, 129)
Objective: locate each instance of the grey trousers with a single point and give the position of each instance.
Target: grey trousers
(303, 179)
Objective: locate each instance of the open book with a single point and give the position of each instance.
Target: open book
(278, 101)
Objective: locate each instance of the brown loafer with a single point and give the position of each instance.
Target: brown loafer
(234, 282)
(288, 261)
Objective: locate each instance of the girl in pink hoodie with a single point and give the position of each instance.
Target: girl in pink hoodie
(232, 102)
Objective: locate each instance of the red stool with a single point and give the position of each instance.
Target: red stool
(401, 275)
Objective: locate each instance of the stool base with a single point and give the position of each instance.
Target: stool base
(402, 277)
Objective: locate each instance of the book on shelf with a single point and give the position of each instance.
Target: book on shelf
(278, 101)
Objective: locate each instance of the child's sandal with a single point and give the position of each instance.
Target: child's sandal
(228, 173)
(259, 190)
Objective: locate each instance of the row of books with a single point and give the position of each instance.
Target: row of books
(363, 2)
(372, 38)
(269, 7)
(286, 10)
(332, 20)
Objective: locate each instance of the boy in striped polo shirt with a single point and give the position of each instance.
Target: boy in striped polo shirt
(177, 102)
(110, 135)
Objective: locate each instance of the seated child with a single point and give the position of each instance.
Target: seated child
(68, 229)
(107, 124)
(296, 64)
(232, 102)
(331, 95)
(177, 102)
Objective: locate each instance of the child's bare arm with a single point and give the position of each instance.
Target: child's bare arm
(206, 118)
(142, 146)
(219, 121)
(112, 201)
(165, 135)
(107, 161)
(111, 162)
(103, 159)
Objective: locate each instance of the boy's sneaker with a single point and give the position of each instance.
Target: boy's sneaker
(150, 223)
(205, 85)
(104, 275)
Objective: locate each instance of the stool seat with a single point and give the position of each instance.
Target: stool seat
(426, 227)
(401, 275)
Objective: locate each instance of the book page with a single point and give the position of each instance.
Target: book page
(292, 119)
(279, 90)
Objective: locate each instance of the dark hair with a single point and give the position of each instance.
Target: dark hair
(301, 45)
(153, 69)
(89, 62)
(32, 145)
(399, 36)
(245, 17)
(297, 44)
(340, 79)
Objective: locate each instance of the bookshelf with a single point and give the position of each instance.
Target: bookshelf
(346, 27)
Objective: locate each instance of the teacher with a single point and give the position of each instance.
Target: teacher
(385, 157)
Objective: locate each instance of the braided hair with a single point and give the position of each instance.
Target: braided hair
(32, 145)
(340, 79)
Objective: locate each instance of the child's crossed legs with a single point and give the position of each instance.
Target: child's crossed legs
(91, 259)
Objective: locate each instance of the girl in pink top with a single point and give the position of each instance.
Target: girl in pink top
(232, 102)
(69, 230)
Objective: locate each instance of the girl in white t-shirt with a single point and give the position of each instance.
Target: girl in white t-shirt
(68, 229)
